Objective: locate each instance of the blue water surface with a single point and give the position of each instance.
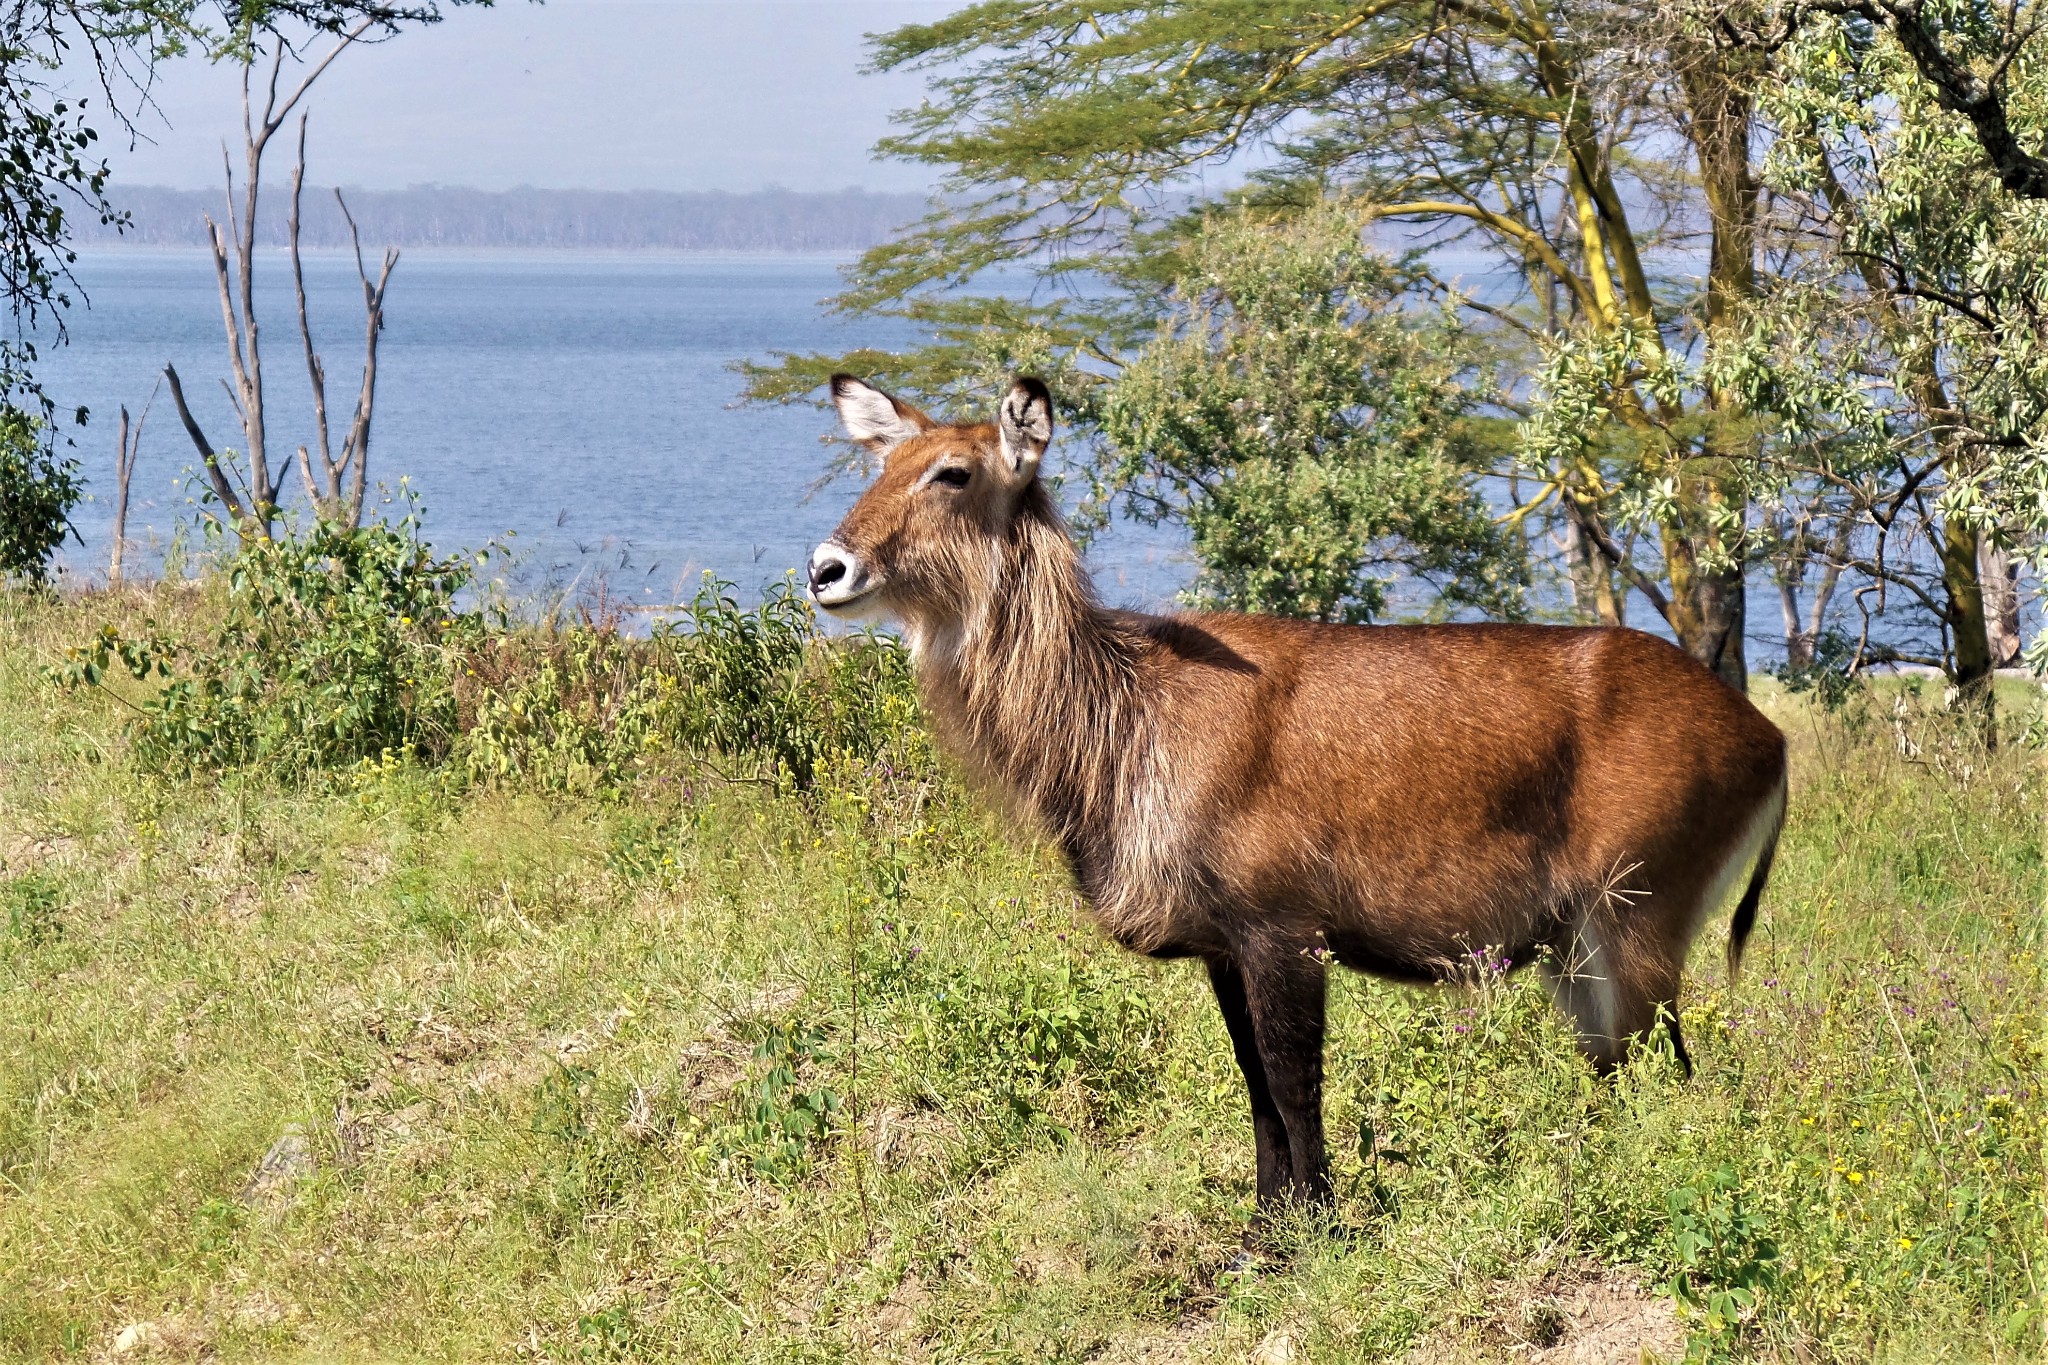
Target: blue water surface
(581, 408)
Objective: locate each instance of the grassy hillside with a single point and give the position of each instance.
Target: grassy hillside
(390, 1065)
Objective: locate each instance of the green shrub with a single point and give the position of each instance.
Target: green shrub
(583, 707)
(37, 493)
(331, 646)
(1728, 1259)
(778, 1122)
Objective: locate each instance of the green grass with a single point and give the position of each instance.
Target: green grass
(580, 1080)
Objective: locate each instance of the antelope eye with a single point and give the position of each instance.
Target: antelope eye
(953, 476)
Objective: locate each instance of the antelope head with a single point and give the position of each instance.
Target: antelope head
(924, 543)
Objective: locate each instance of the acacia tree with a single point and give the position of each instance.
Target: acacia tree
(1900, 346)
(1565, 142)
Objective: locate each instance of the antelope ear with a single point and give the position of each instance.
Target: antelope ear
(1024, 422)
(873, 419)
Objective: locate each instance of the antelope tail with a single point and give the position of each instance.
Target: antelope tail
(1745, 911)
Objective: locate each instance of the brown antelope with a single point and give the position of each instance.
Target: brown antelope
(1269, 795)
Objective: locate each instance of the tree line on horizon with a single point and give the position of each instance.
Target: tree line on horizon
(541, 219)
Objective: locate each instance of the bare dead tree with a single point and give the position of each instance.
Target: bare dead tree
(124, 471)
(253, 508)
(338, 493)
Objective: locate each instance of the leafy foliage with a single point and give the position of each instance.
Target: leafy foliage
(331, 646)
(1850, 394)
(33, 901)
(1306, 429)
(335, 646)
(583, 706)
(1727, 1258)
(778, 1122)
(1902, 359)
(37, 492)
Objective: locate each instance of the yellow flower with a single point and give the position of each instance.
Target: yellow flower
(1855, 1177)
(1906, 1243)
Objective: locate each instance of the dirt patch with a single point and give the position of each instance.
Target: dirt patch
(25, 853)
(711, 1068)
(162, 1339)
(900, 1136)
(1155, 1346)
(1574, 1315)
(892, 1325)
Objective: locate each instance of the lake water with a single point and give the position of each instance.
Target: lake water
(584, 404)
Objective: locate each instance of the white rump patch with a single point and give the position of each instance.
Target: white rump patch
(1736, 869)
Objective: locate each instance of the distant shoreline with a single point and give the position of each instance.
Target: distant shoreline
(129, 247)
(437, 217)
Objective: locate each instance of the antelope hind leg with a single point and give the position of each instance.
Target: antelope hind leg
(1614, 989)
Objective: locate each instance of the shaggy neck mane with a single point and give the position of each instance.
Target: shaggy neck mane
(1036, 688)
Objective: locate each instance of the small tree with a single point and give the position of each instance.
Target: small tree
(1307, 429)
(249, 495)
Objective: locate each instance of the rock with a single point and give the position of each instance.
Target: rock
(136, 1337)
(1277, 1349)
(164, 1339)
(289, 1160)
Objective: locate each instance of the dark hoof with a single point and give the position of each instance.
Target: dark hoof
(1247, 1263)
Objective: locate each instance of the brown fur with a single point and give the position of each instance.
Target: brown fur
(1267, 794)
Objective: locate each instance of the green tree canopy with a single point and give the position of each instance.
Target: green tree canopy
(1616, 158)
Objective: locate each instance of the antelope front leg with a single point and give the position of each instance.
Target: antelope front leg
(1284, 993)
(1269, 1131)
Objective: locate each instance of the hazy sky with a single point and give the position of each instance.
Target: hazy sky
(593, 94)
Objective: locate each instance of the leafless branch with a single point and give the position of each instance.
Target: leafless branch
(315, 371)
(208, 459)
(1590, 527)
(356, 445)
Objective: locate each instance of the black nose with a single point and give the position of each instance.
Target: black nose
(825, 574)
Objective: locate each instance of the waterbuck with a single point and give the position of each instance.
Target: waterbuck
(1271, 795)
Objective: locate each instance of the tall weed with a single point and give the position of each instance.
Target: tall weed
(585, 708)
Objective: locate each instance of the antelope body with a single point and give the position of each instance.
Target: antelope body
(1270, 795)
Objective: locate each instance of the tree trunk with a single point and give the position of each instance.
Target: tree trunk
(1707, 606)
(1708, 599)
(1790, 566)
(1970, 640)
(2000, 577)
(1593, 597)
(124, 466)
